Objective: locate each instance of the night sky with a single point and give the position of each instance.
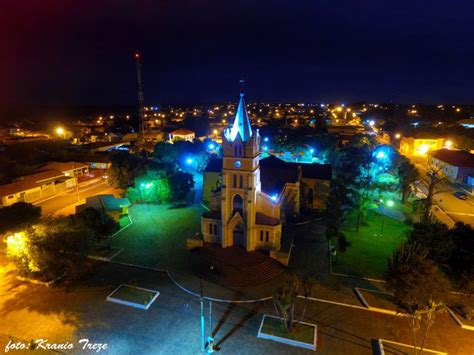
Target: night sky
(81, 52)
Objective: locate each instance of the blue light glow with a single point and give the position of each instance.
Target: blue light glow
(265, 148)
(212, 146)
(189, 161)
(380, 155)
(311, 150)
(274, 197)
(265, 139)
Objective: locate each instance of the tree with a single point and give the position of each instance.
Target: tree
(181, 183)
(435, 177)
(337, 203)
(125, 167)
(462, 255)
(55, 247)
(415, 280)
(284, 300)
(407, 175)
(99, 222)
(434, 239)
(416, 320)
(18, 216)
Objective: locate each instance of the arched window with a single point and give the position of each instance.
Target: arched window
(234, 180)
(241, 181)
(237, 204)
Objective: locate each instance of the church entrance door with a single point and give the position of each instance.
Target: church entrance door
(239, 236)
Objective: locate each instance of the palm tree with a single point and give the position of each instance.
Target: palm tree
(435, 177)
(407, 175)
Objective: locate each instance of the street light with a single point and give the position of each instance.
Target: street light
(389, 203)
(60, 132)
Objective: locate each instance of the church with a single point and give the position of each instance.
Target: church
(250, 197)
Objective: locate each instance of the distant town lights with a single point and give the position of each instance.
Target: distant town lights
(371, 123)
(398, 136)
(448, 144)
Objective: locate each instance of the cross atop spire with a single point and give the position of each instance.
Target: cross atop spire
(242, 82)
(241, 124)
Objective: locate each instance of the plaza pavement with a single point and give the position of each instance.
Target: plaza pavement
(75, 310)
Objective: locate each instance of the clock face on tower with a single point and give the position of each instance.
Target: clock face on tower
(237, 163)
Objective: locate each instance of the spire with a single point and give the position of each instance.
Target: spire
(241, 121)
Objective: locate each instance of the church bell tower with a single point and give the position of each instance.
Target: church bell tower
(240, 181)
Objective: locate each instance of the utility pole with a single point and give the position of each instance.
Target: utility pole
(141, 114)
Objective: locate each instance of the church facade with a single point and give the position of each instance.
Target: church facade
(241, 212)
(247, 216)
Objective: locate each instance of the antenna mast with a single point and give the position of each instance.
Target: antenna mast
(141, 114)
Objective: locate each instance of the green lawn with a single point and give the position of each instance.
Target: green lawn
(301, 332)
(157, 237)
(368, 253)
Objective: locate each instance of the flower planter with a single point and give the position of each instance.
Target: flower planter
(304, 335)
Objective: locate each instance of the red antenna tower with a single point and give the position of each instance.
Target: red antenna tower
(141, 112)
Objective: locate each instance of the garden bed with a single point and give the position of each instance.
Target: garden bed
(133, 296)
(396, 348)
(304, 335)
(458, 306)
(380, 300)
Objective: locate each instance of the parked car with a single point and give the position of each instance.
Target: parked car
(460, 195)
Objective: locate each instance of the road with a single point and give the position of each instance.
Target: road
(458, 210)
(65, 202)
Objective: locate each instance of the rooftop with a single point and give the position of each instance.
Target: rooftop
(181, 132)
(59, 166)
(459, 158)
(30, 182)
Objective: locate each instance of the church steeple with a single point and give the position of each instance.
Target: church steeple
(241, 124)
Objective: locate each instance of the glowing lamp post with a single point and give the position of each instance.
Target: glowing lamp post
(389, 203)
(61, 132)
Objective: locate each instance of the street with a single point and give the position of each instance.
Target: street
(64, 203)
(458, 210)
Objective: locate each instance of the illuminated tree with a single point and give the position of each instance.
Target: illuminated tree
(55, 247)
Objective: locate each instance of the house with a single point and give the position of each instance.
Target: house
(71, 168)
(181, 134)
(456, 165)
(114, 207)
(250, 197)
(35, 187)
(420, 145)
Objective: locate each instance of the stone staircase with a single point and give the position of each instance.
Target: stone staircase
(234, 266)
